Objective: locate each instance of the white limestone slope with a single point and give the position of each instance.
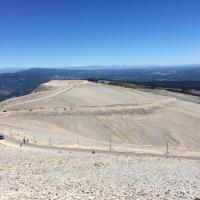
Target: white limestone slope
(85, 113)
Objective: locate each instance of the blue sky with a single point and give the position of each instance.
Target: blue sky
(57, 33)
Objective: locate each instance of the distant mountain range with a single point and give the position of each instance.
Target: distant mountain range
(10, 70)
(17, 83)
(100, 67)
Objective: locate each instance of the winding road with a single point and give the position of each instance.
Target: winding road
(10, 141)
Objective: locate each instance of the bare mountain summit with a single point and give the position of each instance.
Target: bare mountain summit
(93, 115)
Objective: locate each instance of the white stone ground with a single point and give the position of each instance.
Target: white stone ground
(34, 174)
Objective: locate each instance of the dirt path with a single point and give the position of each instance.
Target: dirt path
(46, 97)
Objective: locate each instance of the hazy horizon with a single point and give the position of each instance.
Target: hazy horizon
(94, 67)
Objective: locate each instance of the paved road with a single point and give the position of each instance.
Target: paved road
(13, 142)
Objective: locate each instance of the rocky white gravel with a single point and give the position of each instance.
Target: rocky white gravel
(51, 175)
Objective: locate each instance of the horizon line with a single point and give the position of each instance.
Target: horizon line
(99, 65)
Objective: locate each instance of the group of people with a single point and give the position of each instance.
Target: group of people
(24, 141)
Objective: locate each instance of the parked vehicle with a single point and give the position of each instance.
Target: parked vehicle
(2, 136)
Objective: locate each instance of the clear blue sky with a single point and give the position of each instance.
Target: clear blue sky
(56, 33)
